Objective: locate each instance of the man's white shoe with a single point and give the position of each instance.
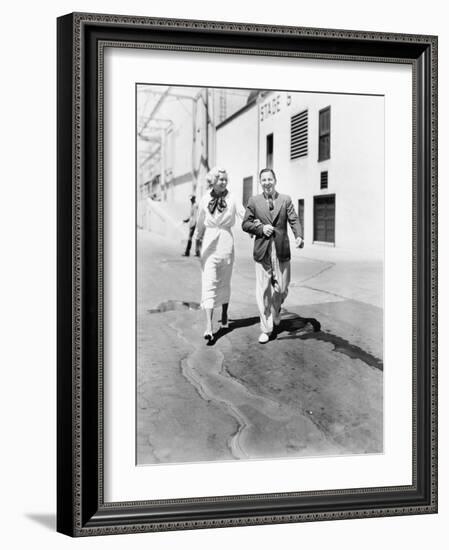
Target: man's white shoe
(263, 338)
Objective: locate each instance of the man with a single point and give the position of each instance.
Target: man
(191, 220)
(266, 218)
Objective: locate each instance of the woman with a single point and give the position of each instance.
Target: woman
(216, 216)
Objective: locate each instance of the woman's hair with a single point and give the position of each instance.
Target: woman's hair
(208, 180)
(267, 170)
(214, 174)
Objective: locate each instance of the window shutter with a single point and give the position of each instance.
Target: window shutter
(324, 131)
(324, 180)
(298, 136)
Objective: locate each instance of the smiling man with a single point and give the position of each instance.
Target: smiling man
(266, 218)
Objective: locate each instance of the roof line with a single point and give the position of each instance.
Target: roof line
(237, 113)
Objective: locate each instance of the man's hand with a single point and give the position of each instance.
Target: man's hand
(299, 242)
(268, 230)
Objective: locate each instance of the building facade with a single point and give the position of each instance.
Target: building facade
(327, 151)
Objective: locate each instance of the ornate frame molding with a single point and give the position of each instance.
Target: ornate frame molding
(81, 509)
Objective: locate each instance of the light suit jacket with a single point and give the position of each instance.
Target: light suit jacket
(258, 214)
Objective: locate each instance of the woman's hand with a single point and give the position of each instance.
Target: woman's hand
(268, 230)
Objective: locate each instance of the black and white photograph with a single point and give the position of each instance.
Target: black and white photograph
(221, 275)
(259, 274)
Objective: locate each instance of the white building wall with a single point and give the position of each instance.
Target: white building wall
(237, 152)
(359, 172)
(355, 168)
(178, 154)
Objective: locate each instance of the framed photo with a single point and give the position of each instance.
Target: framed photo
(247, 274)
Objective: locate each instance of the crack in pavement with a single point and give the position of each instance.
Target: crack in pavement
(305, 412)
(190, 376)
(326, 268)
(151, 448)
(326, 292)
(193, 376)
(263, 423)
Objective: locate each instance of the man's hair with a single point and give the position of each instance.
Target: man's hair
(267, 170)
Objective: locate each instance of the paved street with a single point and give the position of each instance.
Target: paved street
(315, 390)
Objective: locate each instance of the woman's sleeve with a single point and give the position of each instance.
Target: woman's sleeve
(250, 223)
(239, 210)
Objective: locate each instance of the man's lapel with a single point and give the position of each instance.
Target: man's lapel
(263, 206)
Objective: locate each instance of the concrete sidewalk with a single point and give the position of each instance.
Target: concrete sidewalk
(306, 393)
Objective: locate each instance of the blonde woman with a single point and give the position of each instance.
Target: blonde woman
(217, 213)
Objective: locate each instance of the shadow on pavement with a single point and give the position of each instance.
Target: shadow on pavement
(296, 327)
(293, 325)
(304, 328)
(233, 325)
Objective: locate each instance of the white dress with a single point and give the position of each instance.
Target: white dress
(217, 250)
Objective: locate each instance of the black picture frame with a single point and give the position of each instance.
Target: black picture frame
(81, 510)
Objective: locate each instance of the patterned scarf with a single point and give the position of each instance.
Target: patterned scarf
(218, 201)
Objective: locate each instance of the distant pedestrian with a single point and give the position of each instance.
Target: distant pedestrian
(266, 218)
(191, 220)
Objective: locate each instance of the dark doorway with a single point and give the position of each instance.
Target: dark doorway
(301, 215)
(270, 146)
(324, 218)
(247, 190)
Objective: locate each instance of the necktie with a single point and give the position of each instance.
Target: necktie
(270, 202)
